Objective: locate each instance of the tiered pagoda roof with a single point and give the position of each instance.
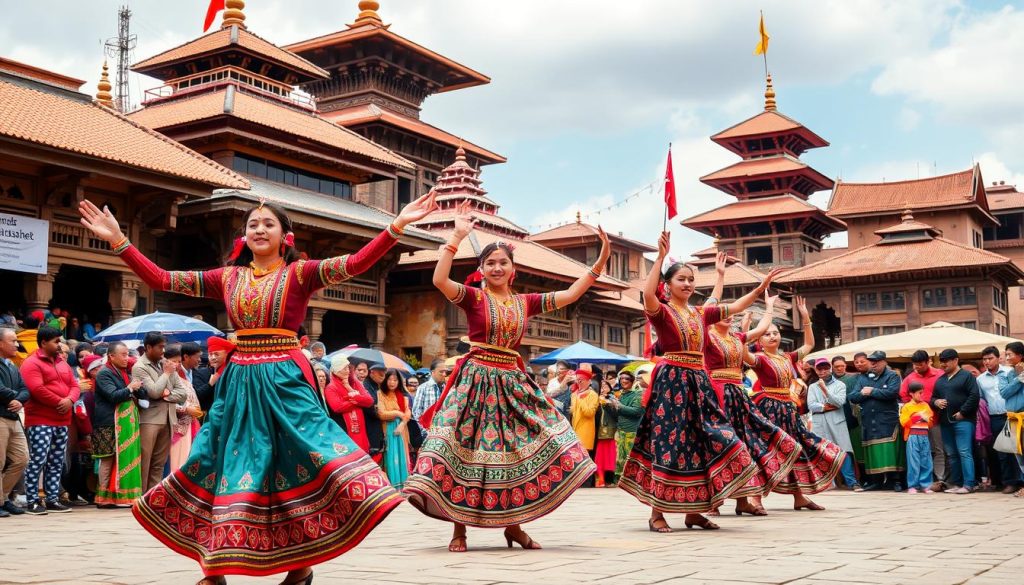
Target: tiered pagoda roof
(725, 220)
(584, 232)
(1002, 197)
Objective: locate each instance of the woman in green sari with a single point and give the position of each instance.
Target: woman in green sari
(116, 432)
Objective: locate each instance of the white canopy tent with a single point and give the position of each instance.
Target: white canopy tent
(931, 338)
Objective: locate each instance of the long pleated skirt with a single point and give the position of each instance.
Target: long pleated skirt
(497, 453)
(774, 451)
(686, 457)
(819, 461)
(272, 483)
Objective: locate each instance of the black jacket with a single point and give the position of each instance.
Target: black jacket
(962, 393)
(12, 387)
(879, 412)
(374, 431)
(204, 391)
(111, 390)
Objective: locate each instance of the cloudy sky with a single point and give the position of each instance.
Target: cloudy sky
(587, 94)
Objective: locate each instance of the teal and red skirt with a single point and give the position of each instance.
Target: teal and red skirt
(497, 453)
(272, 483)
(686, 457)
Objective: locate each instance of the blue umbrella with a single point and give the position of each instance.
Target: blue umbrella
(176, 328)
(582, 352)
(373, 356)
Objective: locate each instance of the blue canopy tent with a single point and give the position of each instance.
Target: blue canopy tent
(582, 352)
(176, 328)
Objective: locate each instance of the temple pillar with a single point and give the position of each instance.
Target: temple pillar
(124, 295)
(39, 288)
(376, 330)
(846, 323)
(314, 323)
(913, 303)
(986, 307)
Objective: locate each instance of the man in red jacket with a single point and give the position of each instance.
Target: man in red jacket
(53, 392)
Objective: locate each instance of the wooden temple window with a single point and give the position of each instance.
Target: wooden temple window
(934, 297)
(867, 333)
(617, 335)
(591, 332)
(964, 296)
(759, 255)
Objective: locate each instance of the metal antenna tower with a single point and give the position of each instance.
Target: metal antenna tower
(120, 49)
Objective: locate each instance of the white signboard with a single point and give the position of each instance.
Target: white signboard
(24, 243)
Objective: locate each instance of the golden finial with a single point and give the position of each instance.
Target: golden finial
(103, 95)
(769, 96)
(460, 153)
(233, 14)
(368, 11)
(907, 215)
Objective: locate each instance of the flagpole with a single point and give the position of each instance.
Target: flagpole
(765, 52)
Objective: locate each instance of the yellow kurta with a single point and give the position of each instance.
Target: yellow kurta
(584, 412)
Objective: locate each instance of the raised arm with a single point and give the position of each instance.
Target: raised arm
(766, 319)
(464, 223)
(748, 299)
(564, 298)
(652, 304)
(801, 306)
(716, 293)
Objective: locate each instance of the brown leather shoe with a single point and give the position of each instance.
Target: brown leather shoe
(938, 487)
(1009, 489)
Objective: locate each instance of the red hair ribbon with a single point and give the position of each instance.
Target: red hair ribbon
(662, 291)
(475, 277)
(236, 250)
(289, 239)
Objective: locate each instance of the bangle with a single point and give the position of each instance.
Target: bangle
(395, 231)
(121, 245)
(712, 300)
(594, 273)
(451, 248)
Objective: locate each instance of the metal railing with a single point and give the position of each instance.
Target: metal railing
(548, 328)
(352, 293)
(70, 235)
(241, 79)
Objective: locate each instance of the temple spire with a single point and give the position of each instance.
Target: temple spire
(103, 95)
(368, 12)
(233, 14)
(769, 96)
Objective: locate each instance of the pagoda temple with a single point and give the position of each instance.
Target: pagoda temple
(376, 84)
(772, 223)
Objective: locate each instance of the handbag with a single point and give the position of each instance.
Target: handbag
(1008, 439)
(983, 425)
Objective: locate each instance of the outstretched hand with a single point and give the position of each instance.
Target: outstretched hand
(769, 299)
(720, 262)
(775, 272)
(418, 209)
(801, 305)
(101, 223)
(606, 248)
(464, 220)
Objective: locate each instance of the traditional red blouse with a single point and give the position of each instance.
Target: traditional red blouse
(497, 323)
(277, 300)
(723, 352)
(683, 329)
(775, 370)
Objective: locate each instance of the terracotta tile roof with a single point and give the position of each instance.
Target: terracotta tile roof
(736, 274)
(617, 299)
(31, 72)
(759, 209)
(368, 113)
(530, 256)
(771, 165)
(900, 260)
(75, 124)
(1004, 197)
(226, 37)
(961, 189)
(585, 230)
(459, 75)
(267, 113)
(446, 216)
(767, 122)
(905, 226)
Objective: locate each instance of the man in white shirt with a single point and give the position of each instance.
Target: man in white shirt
(559, 388)
(1004, 470)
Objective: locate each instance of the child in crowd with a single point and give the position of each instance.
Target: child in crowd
(916, 418)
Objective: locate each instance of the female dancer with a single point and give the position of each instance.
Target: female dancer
(394, 412)
(819, 460)
(773, 450)
(272, 483)
(686, 456)
(497, 453)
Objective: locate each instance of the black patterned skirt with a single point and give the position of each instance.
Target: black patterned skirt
(686, 457)
(772, 449)
(819, 460)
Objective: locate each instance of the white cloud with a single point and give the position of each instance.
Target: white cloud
(994, 170)
(908, 119)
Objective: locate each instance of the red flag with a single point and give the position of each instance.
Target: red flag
(670, 187)
(211, 13)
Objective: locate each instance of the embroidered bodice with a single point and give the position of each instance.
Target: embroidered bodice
(723, 351)
(775, 370)
(499, 323)
(275, 300)
(682, 328)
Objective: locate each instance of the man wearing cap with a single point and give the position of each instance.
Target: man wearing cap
(826, 399)
(877, 392)
(629, 411)
(927, 374)
(955, 400)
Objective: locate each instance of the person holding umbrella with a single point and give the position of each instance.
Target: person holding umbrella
(497, 453)
(269, 456)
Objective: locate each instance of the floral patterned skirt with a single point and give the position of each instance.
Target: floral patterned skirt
(686, 457)
(819, 461)
(272, 483)
(497, 452)
(774, 452)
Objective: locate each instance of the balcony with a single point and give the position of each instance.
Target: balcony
(75, 236)
(360, 294)
(241, 79)
(549, 328)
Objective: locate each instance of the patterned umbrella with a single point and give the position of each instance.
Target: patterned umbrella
(176, 328)
(373, 356)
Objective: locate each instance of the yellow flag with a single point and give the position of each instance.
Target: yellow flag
(762, 47)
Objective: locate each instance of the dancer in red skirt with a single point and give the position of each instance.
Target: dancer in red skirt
(820, 460)
(686, 458)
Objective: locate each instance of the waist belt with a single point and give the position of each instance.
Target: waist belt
(727, 375)
(918, 430)
(778, 393)
(264, 340)
(693, 360)
(492, 355)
